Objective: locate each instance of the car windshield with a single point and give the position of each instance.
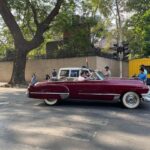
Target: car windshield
(99, 75)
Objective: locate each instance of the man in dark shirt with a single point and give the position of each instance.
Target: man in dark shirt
(54, 75)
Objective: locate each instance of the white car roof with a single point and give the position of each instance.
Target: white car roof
(70, 68)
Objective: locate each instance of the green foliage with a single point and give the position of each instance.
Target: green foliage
(23, 13)
(64, 22)
(6, 40)
(140, 6)
(139, 34)
(76, 37)
(72, 13)
(104, 6)
(74, 29)
(137, 28)
(146, 32)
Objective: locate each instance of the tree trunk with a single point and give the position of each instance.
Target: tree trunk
(18, 74)
(22, 45)
(119, 24)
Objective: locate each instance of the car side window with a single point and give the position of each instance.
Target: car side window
(64, 73)
(74, 73)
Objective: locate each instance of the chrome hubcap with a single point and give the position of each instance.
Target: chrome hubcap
(131, 100)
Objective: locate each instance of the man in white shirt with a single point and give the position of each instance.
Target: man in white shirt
(107, 72)
(82, 76)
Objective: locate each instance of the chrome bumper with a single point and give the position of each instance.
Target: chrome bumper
(146, 97)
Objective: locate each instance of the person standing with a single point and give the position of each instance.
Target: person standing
(33, 79)
(54, 75)
(47, 77)
(107, 72)
(142, 75)
(145, 72)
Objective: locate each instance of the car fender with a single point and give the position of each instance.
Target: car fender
(56, 91)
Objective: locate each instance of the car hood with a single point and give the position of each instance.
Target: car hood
(125, 81)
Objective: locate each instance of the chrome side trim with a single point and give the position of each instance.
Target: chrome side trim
(62, 95)
(113, 94)
(47, 93)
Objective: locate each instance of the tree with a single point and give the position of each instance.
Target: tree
(114, 10)
(139, 6)
(6, 42)
(74, 29)
(22, 45)
(137, 27)
(146, 32)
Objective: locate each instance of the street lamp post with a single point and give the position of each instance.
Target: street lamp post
(120, 51)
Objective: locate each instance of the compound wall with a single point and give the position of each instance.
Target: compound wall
(45, 66)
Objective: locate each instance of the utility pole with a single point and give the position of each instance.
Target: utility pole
(121, 63)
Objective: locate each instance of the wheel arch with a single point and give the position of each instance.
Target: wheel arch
(54, 91)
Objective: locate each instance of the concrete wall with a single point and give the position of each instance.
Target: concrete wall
(42, 67)
(5, 71)
(114, 66)
(125, 71)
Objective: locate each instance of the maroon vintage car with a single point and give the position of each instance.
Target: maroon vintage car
(128, 91)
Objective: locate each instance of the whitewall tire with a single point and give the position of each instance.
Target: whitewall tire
(131, 100)
(51, 102)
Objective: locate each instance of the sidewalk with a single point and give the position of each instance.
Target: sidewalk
(5, 84)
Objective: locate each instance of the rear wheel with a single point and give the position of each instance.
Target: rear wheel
(131, 100)
(51, 102)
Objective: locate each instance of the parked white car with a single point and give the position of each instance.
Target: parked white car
(71, 73)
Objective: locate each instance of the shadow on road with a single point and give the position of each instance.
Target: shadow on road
(96, 105)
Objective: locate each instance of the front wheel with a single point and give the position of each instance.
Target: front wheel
(131, 100)
(51, 102)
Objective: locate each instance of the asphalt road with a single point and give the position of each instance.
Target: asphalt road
(29, 124)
